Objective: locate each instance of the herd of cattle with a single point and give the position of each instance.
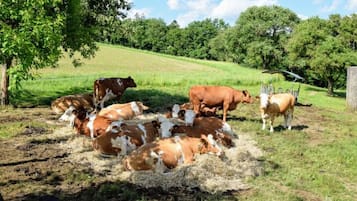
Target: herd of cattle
(165, 141)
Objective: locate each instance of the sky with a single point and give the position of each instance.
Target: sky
(186, 11)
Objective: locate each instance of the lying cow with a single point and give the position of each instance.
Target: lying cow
(169, 153)
(177, 111)
(223, 97)
(124, 111)
(61, 104)
(90, 125)
(221, 131)
(109, 88)
(122, 138)
(274, 105)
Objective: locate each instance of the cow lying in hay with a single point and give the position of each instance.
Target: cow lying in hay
(61, 104)
(125, 111)
(221, 131)
(168, 153)
(223, 97)
(274, 105)
(122, 138)
(109, 88)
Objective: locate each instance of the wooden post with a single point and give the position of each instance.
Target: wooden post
(351, 93)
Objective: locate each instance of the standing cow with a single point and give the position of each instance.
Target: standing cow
(109, 88)
(274, 105)
(223, 97)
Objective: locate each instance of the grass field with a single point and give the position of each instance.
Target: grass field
(317, 160)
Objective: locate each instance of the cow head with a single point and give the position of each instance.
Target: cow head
(129, 82)
(264, 100)
(209, 145)
(189, 117)
(165, 128)
(247, 98)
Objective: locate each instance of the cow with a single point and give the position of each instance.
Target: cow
(274, 105)
(221, 131)
(121, 138)
(223, 97)
(87, 124)
(124, 111)
(105, 89)
(168, 153)
(177, 111)
(61, 104)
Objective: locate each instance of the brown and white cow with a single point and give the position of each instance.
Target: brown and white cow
(61, 104)
(177, 111)
(90, 125)
(124, 111)
(169, 153)
(122, 138)
(109, 88)
(274, 105)
(221, 131)
(223, 97)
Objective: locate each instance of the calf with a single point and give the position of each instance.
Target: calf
(274, 105)
(61, 104)
(124, 111)
(169, 153)
(122, 138)
(221, 131)
(223, 97)
(177, 111)
(109, 88)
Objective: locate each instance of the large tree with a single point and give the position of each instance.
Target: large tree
(34, 32)
(260, 35)
(321, 49)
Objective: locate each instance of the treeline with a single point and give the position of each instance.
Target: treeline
(267, 37)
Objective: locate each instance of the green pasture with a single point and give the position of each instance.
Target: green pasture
(317, 160)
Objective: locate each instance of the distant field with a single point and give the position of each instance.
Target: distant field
(156, 73)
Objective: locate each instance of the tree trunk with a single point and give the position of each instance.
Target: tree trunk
(4, 96)
(330, 83)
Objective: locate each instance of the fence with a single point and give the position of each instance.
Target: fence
(351, 92)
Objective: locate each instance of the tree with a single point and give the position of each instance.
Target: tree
(318, 48)
(260, 35)
(33, 33)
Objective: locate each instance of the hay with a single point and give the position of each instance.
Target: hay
(208, 172)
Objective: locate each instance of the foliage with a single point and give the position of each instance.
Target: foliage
(260, 35)
(319, 49)
(32, 34)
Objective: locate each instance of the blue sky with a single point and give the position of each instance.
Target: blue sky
(186, 11)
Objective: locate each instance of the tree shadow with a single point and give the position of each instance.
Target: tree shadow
(157, 100)
(339, 94)
(125, 191)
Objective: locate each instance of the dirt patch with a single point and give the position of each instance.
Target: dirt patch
(41, 164)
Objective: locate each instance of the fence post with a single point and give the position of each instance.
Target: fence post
(351, 92)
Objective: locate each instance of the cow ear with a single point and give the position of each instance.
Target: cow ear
(204, 140)
(245, 92)
(123, 126)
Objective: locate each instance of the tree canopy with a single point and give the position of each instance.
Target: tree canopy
(33, 33)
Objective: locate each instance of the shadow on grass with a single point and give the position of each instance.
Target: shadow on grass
(339, 94)
(126, 191)
(157, 100)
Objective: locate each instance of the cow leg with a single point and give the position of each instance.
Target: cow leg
(264, 122)
(286, 117)
(225, 109)
(271, 124)
(290, 118)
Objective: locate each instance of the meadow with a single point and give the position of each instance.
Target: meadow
(317, 160)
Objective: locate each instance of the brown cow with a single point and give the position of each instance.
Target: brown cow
(221, 131)
(109, 88)
(124, 138)
(169, 153)
(124, 111)
(274, 105)
(61, 104)
(223, 97)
